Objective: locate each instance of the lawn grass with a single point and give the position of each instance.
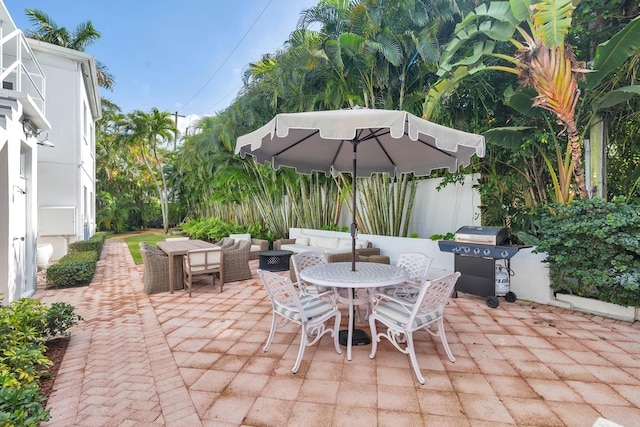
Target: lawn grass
(133, 240)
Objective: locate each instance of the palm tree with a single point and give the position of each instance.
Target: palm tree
(79, 39)
(145, 131)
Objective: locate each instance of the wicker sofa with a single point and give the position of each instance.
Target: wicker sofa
(340, 251)
(334, 253)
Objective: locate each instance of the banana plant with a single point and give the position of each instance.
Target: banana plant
(542, 59)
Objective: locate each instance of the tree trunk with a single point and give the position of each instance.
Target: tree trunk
(576, 156)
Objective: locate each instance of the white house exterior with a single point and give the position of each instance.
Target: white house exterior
(22, 116)
(38, 79)
(66, 185)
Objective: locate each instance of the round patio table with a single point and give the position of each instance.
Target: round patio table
(367, 275)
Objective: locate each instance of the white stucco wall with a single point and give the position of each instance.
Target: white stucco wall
(67, 170)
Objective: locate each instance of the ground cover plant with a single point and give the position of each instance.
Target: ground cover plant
(25, 328)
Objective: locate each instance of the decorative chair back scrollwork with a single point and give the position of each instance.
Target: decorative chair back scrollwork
(417, 266)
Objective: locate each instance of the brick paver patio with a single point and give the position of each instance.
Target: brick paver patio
(172, 360)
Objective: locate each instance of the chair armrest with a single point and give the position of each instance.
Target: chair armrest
(379, 297)
(264, 244)
(368, 251)
(278, 243)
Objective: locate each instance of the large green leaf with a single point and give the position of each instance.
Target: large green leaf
(553, 19)
(520, 9)
(499, 10)
(612, 53)
(521, 100)
(615, 97)
(507, 137)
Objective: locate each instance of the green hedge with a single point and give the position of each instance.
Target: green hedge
(593, 249)
(95, 243)
(73, 269)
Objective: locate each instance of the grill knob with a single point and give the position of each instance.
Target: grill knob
(457, 249)
(504, 254)
(476, 251)
(467, 249)
(486, 252)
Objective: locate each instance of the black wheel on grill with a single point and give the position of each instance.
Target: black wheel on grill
(492, 301)
(510, 297)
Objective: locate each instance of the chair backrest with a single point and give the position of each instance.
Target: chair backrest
(203, 260)
(416, 264)
(176, 239)
(307, 259)
(281, 291)
(434, 295)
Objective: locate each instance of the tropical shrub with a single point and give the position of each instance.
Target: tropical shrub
(593, 249)
(73, 269)
(25, 325)
(214, 229)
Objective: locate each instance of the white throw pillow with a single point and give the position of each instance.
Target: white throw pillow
(344, 243)
(246, 237)
(327, 242)
(302, 241)
(361, 243)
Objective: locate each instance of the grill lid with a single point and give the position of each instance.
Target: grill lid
(481, 235)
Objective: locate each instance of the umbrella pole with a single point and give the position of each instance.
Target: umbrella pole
(354, 225)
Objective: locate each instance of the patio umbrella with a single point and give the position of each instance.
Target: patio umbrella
(361, 141)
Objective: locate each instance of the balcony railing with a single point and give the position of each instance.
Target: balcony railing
(19, 69)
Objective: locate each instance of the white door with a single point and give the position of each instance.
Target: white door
(19, 233)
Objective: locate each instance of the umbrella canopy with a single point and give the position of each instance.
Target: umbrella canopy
(361, 141)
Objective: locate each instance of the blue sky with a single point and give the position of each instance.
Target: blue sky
(186, 56)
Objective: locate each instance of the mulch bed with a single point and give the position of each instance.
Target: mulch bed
(56, 349)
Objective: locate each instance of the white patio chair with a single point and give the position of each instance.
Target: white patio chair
(403, 317)
(417, 265)
(307, 259)
(308, 311)
(203, 261)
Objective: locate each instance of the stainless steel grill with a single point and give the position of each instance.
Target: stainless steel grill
(482, 235)
(477, 250)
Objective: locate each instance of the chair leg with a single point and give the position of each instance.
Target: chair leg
(271, 333)
(374, 337)
(336, 333)
(412, 355)
(303, 344)
(187, 282)
(443, 338)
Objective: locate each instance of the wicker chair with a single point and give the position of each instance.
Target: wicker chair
(156, 269)
(236, 261)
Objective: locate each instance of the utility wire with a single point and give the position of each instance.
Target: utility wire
(229, 56)
(235, 90)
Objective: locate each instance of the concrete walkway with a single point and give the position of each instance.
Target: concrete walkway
(172, 360)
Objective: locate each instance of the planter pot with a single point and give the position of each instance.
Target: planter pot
(593, 306)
